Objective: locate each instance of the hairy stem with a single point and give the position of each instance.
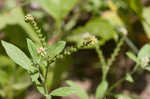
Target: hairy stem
(116, 51)
(131, 45)
(102, 60)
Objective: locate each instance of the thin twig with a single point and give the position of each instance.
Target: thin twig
(102, 60)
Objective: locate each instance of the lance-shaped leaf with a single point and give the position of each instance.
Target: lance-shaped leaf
(132, 56)
(97, 26)
(64, 91)
(55, 49)
(33, 50)
(129, 78)
(58, 9)
(17, 55)
(144, 52)
(136, 6)
(78, 90)
(101, 90)
(147, 68)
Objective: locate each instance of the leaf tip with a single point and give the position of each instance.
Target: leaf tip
(3, 43)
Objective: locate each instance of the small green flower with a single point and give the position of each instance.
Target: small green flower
(124, 31)
(145, 61)
(93, 40)
(41, 51)
(89, 39)
(29, 18)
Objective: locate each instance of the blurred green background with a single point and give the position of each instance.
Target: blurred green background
(68, 20)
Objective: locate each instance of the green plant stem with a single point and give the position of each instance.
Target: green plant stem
(45, 79)
(122, 79)
(40, 72)
(64, 53)
(113, 57)
(131, 45)
(116, 51)
(106, 67)
(127, 40)
(102, 60)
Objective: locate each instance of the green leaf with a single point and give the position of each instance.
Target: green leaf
(96, 26)
(146, 20)
(113, 18)
(64, 91)
(34, 77)
(40, 89)
(58, 9)
(56, 48)
(132, 56)
(96, 4)
(17, 55)
(136, 5)
(129, 78)
(144, 52)
(147, 68)
(78, 90)
(48, 97)
(16, 16)
(101, 90)
(33, 51)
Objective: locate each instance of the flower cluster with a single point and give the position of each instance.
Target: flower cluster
(41, 51)
(29, 18)
(89, 39)
(145, 61)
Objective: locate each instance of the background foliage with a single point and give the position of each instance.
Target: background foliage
(69, 20)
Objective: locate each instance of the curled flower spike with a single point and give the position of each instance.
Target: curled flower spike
(145, 61)
(93, 40)
(41, 51)
(29, 18)
(89, 39)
